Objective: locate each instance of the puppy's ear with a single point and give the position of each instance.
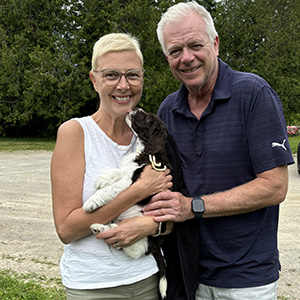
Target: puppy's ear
(158, 127)
(139, 122)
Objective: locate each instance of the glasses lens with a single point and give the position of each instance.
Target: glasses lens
(134, 77)
(111, 77)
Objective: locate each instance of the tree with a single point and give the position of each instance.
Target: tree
(263, 37)
(46, 49)
(28, 63)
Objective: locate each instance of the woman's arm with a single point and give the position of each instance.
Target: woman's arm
(131, 230)
(67, 173)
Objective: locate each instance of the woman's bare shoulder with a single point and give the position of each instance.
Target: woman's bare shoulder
(70, 136)
(70, 126)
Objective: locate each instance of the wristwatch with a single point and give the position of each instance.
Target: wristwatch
(198, 207)
(162, 227)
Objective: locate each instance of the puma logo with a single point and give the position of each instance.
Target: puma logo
(275, 144)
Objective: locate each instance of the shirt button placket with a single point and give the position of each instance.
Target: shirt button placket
(199, 143)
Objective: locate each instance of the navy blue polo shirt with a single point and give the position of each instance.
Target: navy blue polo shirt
(242, 132)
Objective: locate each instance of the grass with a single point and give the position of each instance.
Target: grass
(294, 141)
(24, 144)
(17, 287)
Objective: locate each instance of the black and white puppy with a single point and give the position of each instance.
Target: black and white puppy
(152, 136)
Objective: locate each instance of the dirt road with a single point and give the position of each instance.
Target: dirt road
(29, 244)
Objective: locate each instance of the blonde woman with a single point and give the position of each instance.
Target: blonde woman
(94, 268)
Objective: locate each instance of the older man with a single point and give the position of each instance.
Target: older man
(231, 134)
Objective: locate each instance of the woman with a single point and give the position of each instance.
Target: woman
(94, 268)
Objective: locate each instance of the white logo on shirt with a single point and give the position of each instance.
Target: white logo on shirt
(275, 144)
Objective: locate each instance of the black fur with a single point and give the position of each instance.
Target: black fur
(152, 131)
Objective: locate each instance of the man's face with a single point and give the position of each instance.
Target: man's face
(191, 55)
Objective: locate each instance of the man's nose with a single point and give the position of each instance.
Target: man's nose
(187, 55)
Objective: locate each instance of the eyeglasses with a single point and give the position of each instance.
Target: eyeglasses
(113, 77)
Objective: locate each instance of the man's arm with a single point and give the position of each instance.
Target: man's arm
(268, 189)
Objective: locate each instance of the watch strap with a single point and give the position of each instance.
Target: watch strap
(162, 227)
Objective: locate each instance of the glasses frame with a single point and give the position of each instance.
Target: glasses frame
(121, 74)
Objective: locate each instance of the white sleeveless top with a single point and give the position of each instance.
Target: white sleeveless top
(90, 263)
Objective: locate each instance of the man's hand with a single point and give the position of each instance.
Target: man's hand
(169, 206)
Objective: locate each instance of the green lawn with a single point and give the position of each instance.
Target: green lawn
(16, 287)
(294, 141)
(23, 144)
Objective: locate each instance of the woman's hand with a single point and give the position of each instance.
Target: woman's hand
(129, 231)
(152, 182)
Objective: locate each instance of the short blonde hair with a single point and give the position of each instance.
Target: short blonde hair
(114, 42)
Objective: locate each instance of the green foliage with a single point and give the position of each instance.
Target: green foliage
(263, 37)
(46, 52)
(40, 81)
(46, 49)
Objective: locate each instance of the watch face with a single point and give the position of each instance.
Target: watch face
(198, 205)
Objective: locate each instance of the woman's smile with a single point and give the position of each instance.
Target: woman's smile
(122, 99)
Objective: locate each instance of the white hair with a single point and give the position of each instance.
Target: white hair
(180, 10)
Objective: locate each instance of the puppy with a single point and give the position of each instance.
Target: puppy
(152, 136)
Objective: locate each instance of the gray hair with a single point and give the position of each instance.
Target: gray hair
(180, 10)
(115, 42)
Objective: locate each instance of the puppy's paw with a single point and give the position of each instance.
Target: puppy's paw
(98, 228)
(91, 204)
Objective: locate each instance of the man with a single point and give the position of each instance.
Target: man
(231, 134)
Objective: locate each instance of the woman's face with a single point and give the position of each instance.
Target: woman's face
(118, 98)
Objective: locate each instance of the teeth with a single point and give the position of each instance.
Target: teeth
(191, 70)
(122, 98)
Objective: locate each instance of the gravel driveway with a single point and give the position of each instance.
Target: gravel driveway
(29, 244)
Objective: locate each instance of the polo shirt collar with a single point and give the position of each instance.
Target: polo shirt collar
(222, 90)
